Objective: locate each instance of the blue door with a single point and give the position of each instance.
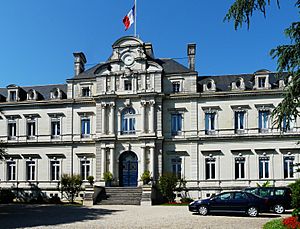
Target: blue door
(128, 169)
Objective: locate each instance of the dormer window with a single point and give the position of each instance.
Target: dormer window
(209, 86)
(85, 92)
(31, 95)
(261, 82)
(55, 93)
(176, 87)
(12, 96)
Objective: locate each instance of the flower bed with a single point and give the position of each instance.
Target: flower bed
(286, 223)
(291, 222)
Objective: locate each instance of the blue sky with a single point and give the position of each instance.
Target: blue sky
(38, 37)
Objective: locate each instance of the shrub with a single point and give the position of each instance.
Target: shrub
(274, 224)
(146, 177)
(186, 200)
(54, 200)
(167, 185)
(296, 197)
(6, 196)
(108, 176)
(90, 180)
(291, 222)
(70, 186)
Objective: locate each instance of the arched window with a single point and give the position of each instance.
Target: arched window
(128, 121)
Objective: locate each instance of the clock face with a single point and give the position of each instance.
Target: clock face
(128, 59)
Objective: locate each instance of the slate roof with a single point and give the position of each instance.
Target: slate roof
(170, 66)
(44, 91)
(223, 82)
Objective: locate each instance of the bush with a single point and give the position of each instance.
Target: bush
(6, 196)
(274, 224)
(186, 200)
(107, 176)
(54, 200)
(146, 177)
(291, 222)
(70, 186)
(296, 197)
(90, 180)
(167, 185)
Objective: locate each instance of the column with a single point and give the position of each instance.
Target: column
(152, 162)
(119, 123)
(103, 119)
(103, 161)
(112, 160)
(143, 159)
(151, 117)
(143, 116)
(112, 119)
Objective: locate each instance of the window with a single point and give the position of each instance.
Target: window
(261, 82)
(176, 124)
(148, 82)
(85, 168)
(240, 196)
(210, 168)
(55, 127)
(263, 121)
(30, 170)
(288, 124)
(12, 96)
(127, 85)
(12, 129)
(85, 127)
(85, 92)
(54, 170)
(239, 167)
(239, 121)
(31, 128)
(224, 196)
(176, 87)
(210, 123)
(264, 165)
(128, 121)
(288, 162)
(176, 167)
(11, 170)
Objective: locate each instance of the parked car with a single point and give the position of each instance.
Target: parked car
(231, 202)
(279, 198)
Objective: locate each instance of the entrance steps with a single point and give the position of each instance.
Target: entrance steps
(122, 196)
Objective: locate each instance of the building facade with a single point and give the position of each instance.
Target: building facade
(135, 113)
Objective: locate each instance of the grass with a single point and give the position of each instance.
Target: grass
(274, 224)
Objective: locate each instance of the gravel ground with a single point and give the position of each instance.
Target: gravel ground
(43, 216)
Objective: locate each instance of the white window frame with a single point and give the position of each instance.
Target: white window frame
(14, 131)
(239, 161)
(84, 164)
(209, 161)
(265, 161)
(211, 131)
(290, 159)
(177, 163)
(56, 165)
(59, 121)
(11, 170)
(30, 174)
(32, 132)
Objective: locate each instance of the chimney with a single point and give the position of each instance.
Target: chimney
(149, 49)
(79, 61)
(191, 52)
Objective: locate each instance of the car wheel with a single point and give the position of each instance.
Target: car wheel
(203, 210)
(252, 211)
(278, 208)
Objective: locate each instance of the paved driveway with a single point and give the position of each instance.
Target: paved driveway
(51, 216)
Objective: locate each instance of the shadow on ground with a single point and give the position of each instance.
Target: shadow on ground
(19, 216)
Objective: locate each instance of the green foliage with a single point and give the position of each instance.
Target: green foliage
(274, 224)
(108, 176)
(90, 180)
(295, 194)
(70, 186)
(167, 185)
(186, 200)
(264, 185)
(288, 57)
(146, 177)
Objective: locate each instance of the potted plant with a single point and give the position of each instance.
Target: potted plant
(146, 177)
(90, 180)
(108, 177)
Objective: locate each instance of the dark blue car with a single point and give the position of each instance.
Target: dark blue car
(231, 202)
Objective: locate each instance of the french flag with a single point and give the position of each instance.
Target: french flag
(128, 20)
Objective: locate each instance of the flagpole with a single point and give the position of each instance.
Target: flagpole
(135, 17)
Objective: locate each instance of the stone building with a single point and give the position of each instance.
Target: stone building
(136, 112)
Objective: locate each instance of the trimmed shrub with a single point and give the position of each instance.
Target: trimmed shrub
(296, 198)
(167, 185)
(6, 196)
(70, 186)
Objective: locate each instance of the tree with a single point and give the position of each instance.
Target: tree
(288, 57)
(167, 185)
(70, 186)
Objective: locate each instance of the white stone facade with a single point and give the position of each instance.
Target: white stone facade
(215, 132)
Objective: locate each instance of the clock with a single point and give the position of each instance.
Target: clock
(128, 59)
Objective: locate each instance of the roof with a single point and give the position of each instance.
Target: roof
(44, 90)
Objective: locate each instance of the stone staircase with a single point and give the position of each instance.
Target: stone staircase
(122, 196)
